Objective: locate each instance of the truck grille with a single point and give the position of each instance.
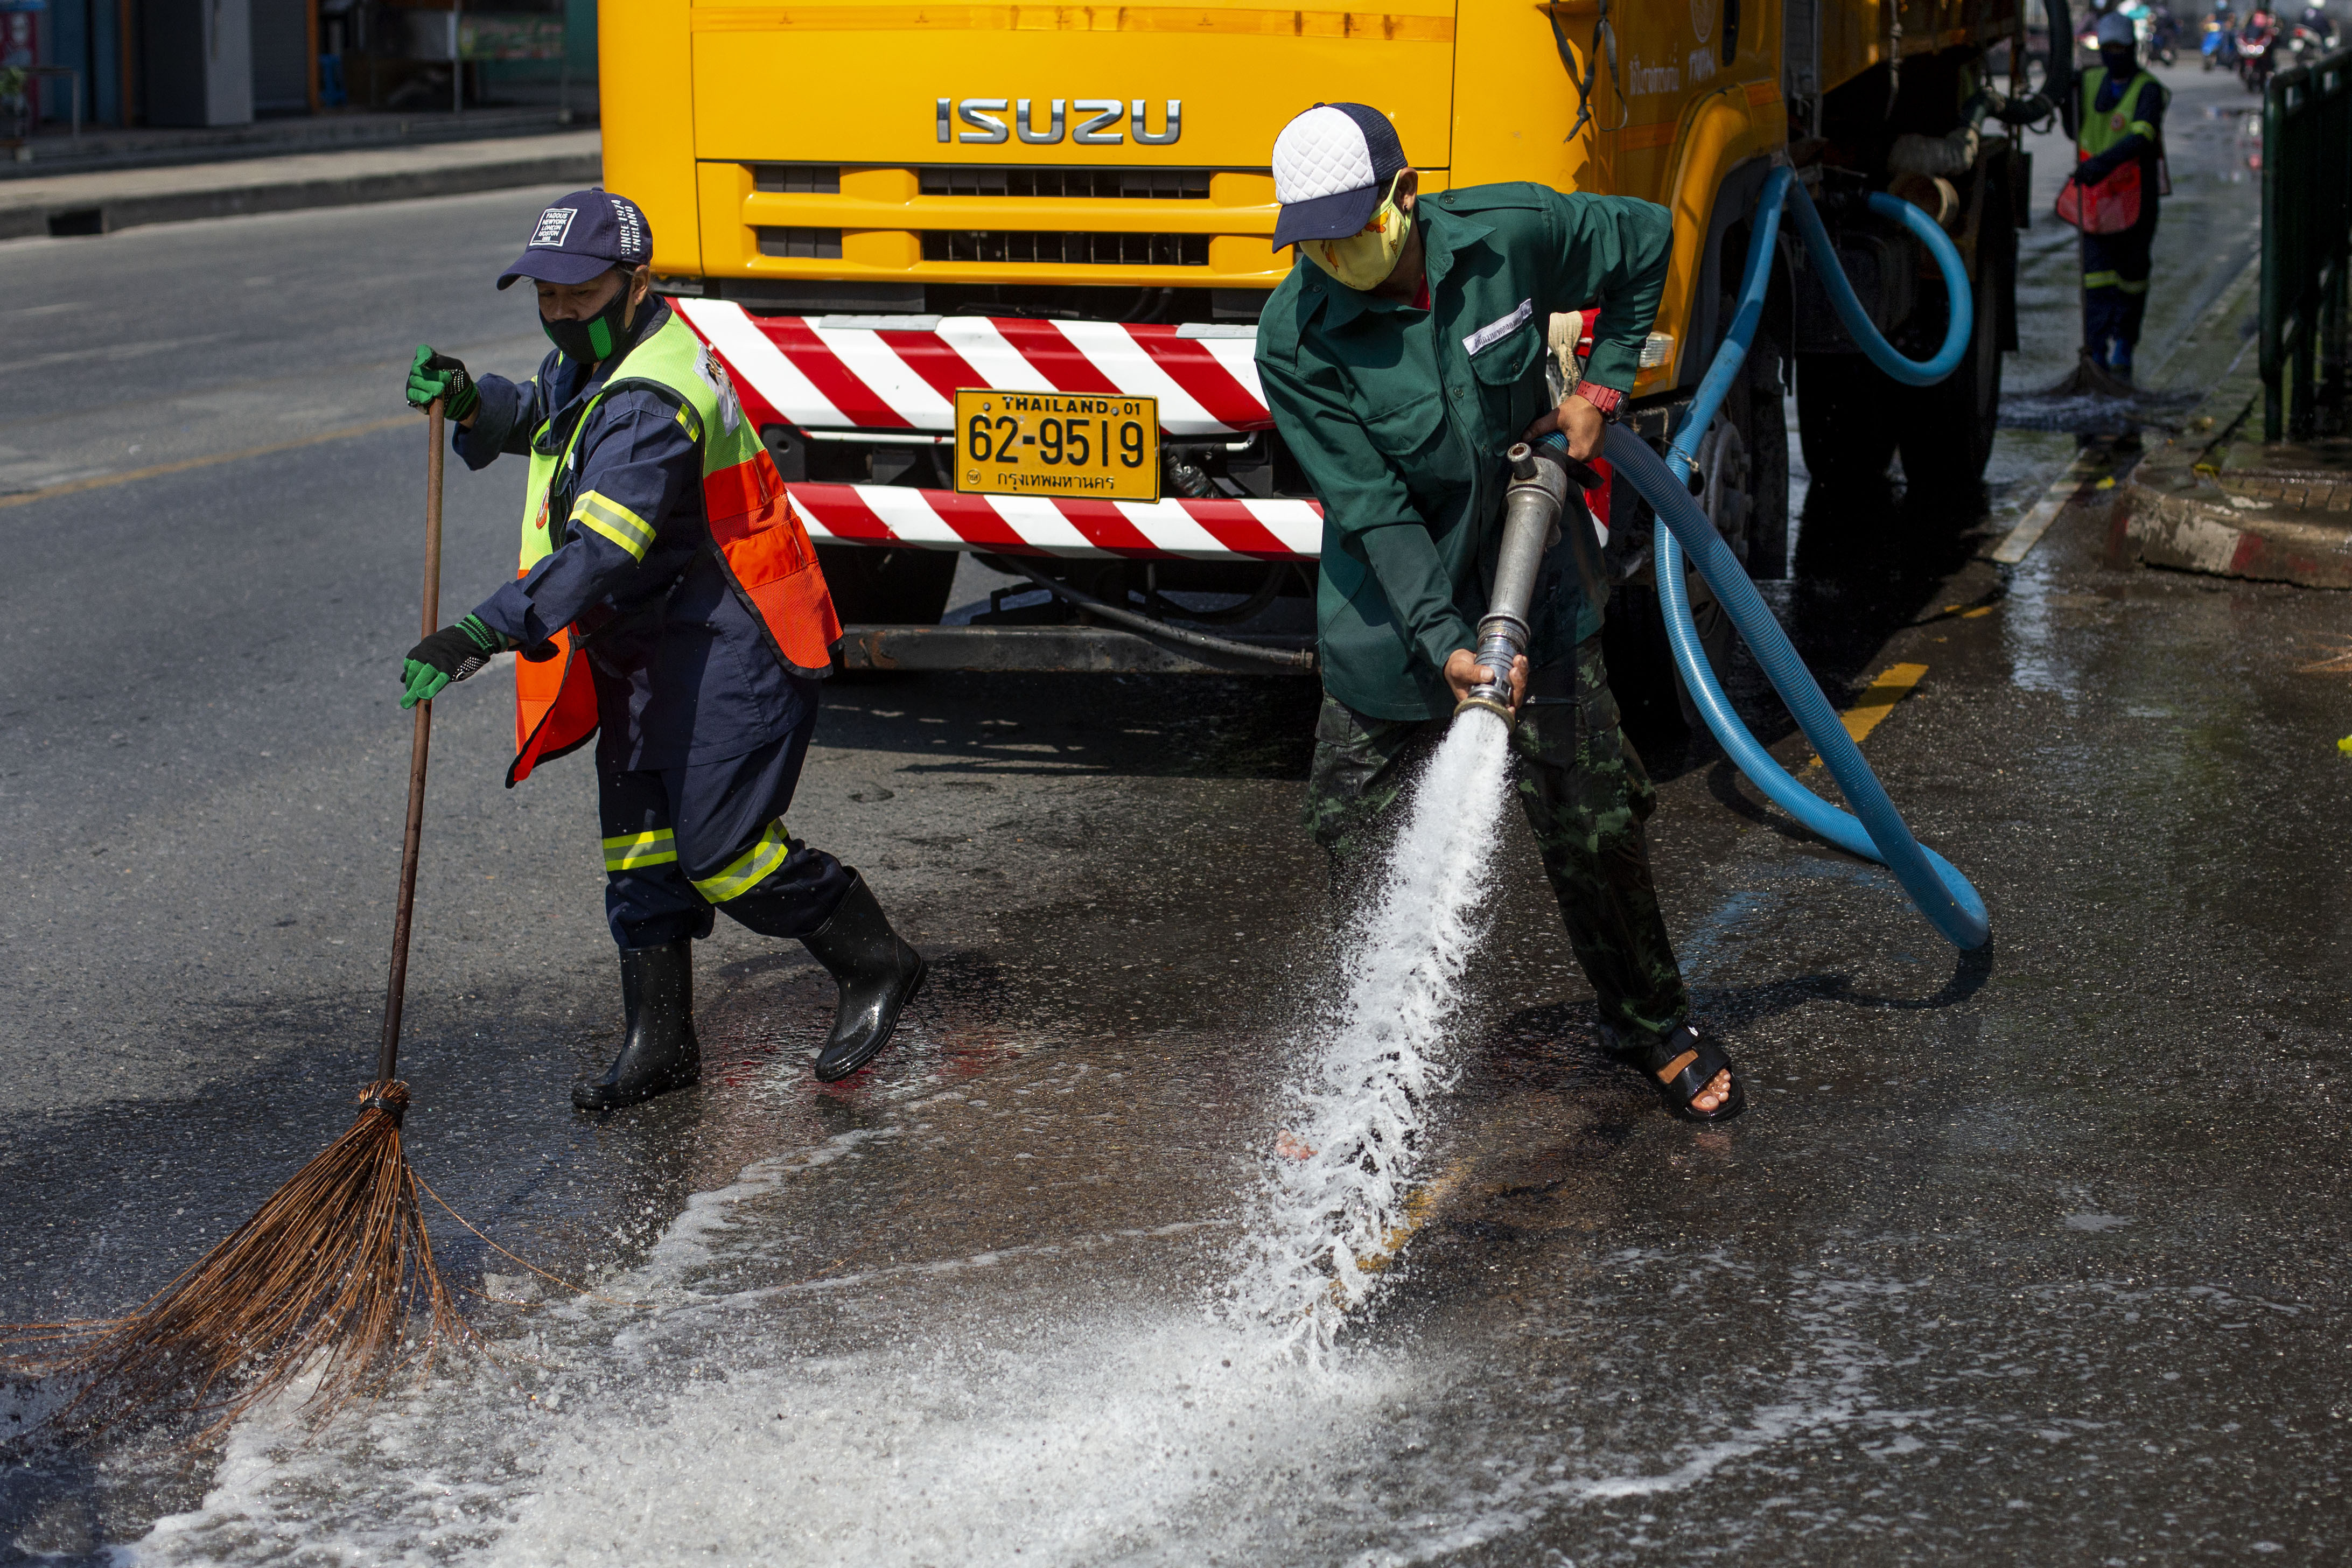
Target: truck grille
(1065, 249)
(1096, 184)
(797, 179)
(812, 243)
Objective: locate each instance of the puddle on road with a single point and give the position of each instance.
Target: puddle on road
(965, 1308)
(877, 1349)
(976, 1308)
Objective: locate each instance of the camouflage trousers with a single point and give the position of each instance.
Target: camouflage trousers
(1586, 797)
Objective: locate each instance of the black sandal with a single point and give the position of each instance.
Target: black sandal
(1681, 1065)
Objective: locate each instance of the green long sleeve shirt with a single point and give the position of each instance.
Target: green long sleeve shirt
(1400, 418)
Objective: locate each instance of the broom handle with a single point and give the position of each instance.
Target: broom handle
(387, 1061)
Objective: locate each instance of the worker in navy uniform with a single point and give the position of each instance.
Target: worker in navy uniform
(2116, 115)
(1401, 357)
(671, 607)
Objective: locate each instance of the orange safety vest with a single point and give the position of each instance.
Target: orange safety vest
(756, 537)
(2113, 205)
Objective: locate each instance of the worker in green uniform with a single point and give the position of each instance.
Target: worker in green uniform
(1401, 357)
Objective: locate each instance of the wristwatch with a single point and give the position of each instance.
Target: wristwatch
(1607, 399)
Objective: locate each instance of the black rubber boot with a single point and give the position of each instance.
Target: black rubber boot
(878, 973)
(660, 1053)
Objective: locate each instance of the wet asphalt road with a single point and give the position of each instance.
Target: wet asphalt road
(2031, 1254)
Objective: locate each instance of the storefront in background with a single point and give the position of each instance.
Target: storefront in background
(229, 62)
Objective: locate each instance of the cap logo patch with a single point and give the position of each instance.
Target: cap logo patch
(633, 230)
(553, 225)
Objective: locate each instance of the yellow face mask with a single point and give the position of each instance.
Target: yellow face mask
(1363, 260)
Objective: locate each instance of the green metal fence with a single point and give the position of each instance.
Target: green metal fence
(2306, 239)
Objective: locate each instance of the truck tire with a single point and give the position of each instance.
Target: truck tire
(1947, 430)
(1747, 500)
(1845, 420)
(887, 588)
(1741, 468)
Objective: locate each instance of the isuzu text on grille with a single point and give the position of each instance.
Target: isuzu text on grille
(1098, 121)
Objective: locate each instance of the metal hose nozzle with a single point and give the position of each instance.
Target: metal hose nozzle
(1531, 508)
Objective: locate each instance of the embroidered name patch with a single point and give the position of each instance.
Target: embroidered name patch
(553, 225)
(1494, 332)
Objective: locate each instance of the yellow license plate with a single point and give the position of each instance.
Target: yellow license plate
(1068, 446)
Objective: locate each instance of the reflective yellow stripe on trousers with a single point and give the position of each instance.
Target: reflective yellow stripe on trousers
(631, 851)
(749, 868)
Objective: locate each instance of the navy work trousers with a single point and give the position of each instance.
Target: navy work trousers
(2115, 270)
(681, 842)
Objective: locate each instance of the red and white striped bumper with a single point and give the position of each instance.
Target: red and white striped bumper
(792, 370)
(789, 370)
(1033, 525)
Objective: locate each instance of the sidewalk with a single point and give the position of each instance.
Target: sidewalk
(101, 202)
(2216, 499)
(100, 147)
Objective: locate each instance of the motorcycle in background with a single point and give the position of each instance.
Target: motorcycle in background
(2312, 35)
(2220, 44)
(2258, 42)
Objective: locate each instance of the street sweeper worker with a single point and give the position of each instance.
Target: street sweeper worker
(1401, 357)
(669, 605)
(2116, 115)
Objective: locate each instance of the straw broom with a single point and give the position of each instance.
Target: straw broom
(326, 1276)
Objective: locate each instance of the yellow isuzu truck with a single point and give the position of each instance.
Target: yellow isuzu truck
(880, 213)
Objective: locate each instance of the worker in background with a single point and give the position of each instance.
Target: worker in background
(669, 605)
(1401, 357)
(2118, 119)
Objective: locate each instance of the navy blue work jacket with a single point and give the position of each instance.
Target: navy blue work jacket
(684, 671)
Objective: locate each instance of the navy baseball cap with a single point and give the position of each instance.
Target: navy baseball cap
(583, 237)
(1332, 166)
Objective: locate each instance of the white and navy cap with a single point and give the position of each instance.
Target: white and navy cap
(583, 237)
(2115, 28)
(1332, 166)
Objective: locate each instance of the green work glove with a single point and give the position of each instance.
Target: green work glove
(431, 375)
(453, 653)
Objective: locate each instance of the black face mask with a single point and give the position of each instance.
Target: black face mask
(588, 341)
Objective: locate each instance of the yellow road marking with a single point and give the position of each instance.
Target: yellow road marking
(1890, 688)
(1893, 685)
(2021, 540)
(102, 481)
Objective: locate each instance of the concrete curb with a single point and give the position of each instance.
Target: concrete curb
(2195, 527)
(2172, 510)
(103, 203)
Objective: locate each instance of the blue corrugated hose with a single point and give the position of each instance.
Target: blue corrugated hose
(1942, 894)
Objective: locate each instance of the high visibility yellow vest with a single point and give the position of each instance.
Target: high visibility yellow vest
(2098, 132)
(759, 544)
